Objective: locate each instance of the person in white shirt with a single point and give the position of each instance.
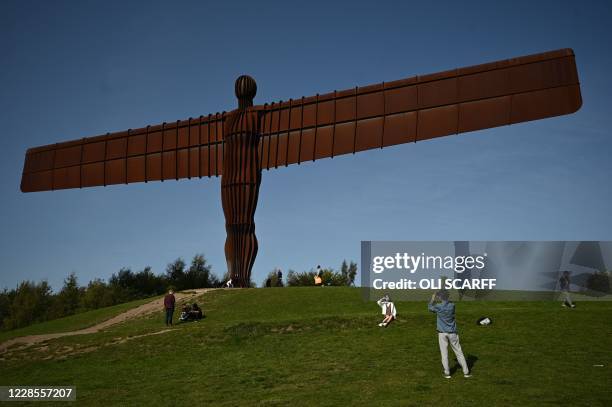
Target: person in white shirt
(388, 310)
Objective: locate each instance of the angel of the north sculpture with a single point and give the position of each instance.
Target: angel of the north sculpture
(237, 145)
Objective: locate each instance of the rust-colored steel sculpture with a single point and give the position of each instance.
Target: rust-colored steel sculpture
(239, 144)
(240, 183)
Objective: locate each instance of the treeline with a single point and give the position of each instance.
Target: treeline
(34, 302)
(343, 277)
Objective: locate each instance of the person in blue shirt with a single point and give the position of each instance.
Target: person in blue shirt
(447, 331)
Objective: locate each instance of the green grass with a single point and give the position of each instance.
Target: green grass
(72, 322)
(488, 295)
(321, 346)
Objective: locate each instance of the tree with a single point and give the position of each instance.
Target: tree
(273, 277)
(121, 286)
(344, 269)
(147, 284)
(97, 295)
(30, 303)
(5, 306)
(352, 273)
(124, 278)
(69, 298)
(175, 272)
(200, 274)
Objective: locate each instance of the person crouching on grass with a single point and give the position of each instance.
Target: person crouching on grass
(388, 310)
(447, 331)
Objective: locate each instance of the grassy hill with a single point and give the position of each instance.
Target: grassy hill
(72, 322)
(322, 346)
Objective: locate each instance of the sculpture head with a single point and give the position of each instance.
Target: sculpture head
(245, 90)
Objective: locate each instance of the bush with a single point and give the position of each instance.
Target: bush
(599, 281)
(274, 281)
(30, 302)
(346, 276)
(304, 278)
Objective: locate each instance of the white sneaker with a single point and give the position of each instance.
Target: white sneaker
(564, 305)
(467, 375)
(447, 376)
(573, 305)
(381, 324)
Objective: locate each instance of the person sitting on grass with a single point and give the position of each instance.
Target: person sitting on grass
(185, 313)
(196, 312)
(388, 310)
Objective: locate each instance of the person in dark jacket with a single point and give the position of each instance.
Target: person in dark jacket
(169, 301)
(196, 312)
(279, 278)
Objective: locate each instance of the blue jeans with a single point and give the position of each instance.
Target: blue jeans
(169, 312)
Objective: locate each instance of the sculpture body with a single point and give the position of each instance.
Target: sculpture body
(239, 192)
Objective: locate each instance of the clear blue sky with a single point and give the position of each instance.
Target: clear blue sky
(83, 68)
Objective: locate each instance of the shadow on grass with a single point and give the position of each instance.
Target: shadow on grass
(471, 361)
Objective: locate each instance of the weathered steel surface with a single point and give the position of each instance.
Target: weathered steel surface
(408, 110)
(239, 144)
(190, 148)
(420, 108)
(240, 183)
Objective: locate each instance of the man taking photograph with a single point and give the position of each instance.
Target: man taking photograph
(447, 331)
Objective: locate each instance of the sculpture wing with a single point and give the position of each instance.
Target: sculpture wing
(408, 110)
(181, 149)
(419, 108)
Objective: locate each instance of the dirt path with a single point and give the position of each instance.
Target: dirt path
(148, 308)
